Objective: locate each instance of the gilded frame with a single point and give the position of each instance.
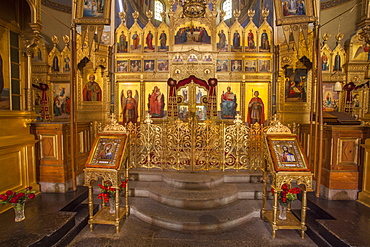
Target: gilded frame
(83, 17)
(287, 153)
(60, 101)
(107, 151)
(293, 18)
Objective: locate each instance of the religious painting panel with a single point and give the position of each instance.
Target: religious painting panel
(256, 97)
(135, 66)
(149, 41)
(122, 42)
(236, 40)
(264, 65)
(250, 44)
(295, 85)
(250, 65)
(229, 97)
(163, 41)
(129, 104)
(106, 36)
(236, 65)
(265, 40)
(192, 58)
(122, 66)
(162, 65)
(66, 59)
(156, 99)
(207, 58)
(136, 41)
(107, 151)
(222, 65)
(93, 12)
(330, 98)
(4, 70)
(183, 95)
(91, 87)
(148, 65)
(325, 61)
(192, 32)
(222, 40)
(293, 11)
(337, 61)
(61, 95)
(287, 153)
(177, 58)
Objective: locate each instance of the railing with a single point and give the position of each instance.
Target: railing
(195, 146)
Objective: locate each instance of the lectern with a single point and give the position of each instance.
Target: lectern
(287, 163)
(108, 159)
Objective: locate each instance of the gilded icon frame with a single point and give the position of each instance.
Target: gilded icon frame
(99, 156)
(293, 159)
(282, 19)
(82, 18)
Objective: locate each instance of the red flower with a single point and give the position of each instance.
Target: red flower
(29, 188)
(20, 194)
(31, 196)
(272, 190)
(14, 200)
(285, 187)
(9, 193)
(283, 199)
(3, 197)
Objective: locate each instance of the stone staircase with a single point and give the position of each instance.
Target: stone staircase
(202, 201)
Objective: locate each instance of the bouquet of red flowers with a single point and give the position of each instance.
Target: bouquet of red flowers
(108, 192)
(17, 197)
(287, 195)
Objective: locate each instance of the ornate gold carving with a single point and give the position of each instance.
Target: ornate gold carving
(277, 128)
(114, 126)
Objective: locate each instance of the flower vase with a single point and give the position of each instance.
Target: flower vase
(282, 210)
(112, 205)
(19, 211)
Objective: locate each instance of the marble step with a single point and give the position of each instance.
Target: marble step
(193, 181)
(187, 179)
(246, 191)
(193, 199)
(177, 219)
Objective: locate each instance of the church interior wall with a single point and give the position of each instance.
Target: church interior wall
(55, 22)
(346, 24)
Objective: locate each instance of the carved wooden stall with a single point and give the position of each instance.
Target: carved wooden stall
(54, 169)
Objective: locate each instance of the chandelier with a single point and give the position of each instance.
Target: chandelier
(194, 8)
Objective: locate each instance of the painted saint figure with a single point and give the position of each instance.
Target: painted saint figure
(122, 45)
(135, 41)
(287, 156)
(163, 40)
(149, 40)
(301, 9)
(156, 103)
(222, 41)
(129, 107)
(250, 40)
(256, 111)
(66, 64)
(228, 104)
(92, 90)
(236, 40)
(106, 153)
(337, 63)
(55, 65)
(265, 41)
(324, 60)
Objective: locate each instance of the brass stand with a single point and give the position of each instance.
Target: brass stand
(272, 215)
(114, 175)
